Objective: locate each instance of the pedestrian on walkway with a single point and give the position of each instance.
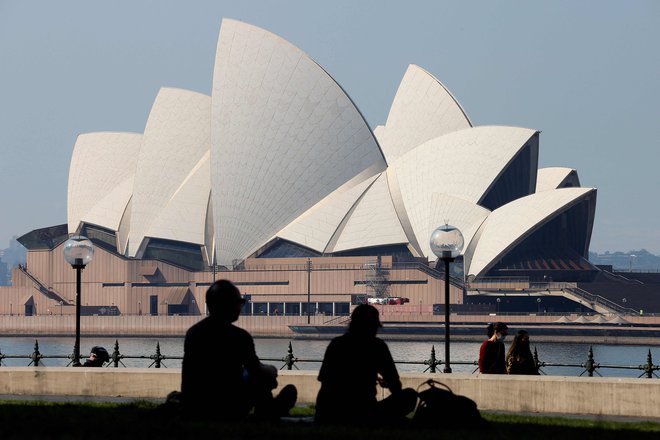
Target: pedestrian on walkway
(491, 354)
(519, 359)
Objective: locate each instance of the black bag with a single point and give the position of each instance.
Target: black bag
(439, 407)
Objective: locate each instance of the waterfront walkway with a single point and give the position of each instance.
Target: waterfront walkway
(414, 326)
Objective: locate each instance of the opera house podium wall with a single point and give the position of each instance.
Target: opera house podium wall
(115, 285)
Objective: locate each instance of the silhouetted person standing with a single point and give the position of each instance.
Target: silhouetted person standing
(491, 354)
(519, 359)
(222, 377)
(352, 366)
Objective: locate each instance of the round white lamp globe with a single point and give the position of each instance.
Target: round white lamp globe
(78, 251)
(446, 241)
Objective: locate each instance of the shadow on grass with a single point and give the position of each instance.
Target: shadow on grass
(143, 420)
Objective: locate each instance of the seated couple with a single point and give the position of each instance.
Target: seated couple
(223, 379)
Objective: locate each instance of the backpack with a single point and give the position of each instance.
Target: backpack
(439, 407)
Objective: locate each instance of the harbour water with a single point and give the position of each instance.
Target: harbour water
(274, 350)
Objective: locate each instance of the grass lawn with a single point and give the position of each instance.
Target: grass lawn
(143, 420)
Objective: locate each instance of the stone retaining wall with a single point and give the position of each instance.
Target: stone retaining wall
(543, 394)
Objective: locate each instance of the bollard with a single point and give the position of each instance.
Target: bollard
(289, 360)
(36, 356)
(432, 362)
(116, 356)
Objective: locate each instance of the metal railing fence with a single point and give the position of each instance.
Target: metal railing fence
(290, 361)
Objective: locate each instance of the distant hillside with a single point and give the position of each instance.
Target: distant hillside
(636, 261)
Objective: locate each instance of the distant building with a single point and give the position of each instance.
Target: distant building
(278, 166)
(15, 254)
(5, 279)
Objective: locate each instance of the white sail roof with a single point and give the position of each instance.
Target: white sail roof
(183, 218)
(285, 135)
(462, 164)
(316, 227)
(422, 109)
(168, 180)
(372, 222)
(510, 224)
(556, 177)
(101, 178)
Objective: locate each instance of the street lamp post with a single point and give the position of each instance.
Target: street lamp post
(308, 267)
(78, 252)
(538, 305)
(446, 243)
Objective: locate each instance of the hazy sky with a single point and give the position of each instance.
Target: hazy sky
(584, 73)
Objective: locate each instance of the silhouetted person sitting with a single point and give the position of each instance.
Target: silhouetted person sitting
(222, 377)
(352, 366)
(97, 357)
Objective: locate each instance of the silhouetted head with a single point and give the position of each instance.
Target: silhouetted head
(224, 300)
(364, 320)
(490, 329)
(522, 338)
(520, 344)
(99, 353)
(500, 330)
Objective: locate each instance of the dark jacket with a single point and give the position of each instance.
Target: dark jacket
(522, 363)
(216, 357)
(349, 374)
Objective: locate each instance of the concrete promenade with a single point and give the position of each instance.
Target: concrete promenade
(561, 395)
(278, 326)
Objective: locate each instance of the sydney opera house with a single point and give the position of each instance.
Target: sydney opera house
(277, 182)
